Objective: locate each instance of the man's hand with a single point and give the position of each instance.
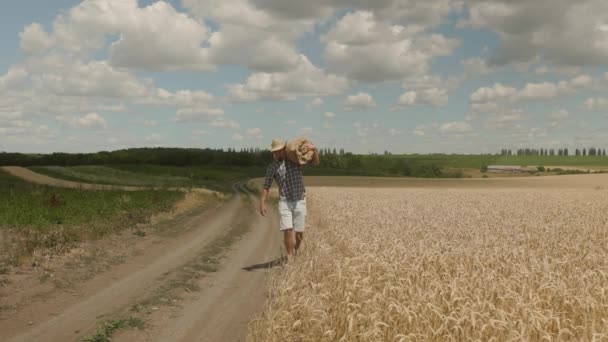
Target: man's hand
(308, 147)
(263, 210)
(263, 202)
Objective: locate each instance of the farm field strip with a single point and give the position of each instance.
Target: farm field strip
(211, 177)
(445, 265)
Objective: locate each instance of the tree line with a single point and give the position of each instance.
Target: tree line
(162, 156)
(333, 161)
(592, 151)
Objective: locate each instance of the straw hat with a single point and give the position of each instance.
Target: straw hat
(277, 144)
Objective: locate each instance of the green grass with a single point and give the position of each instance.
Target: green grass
(477, 161)
(211, 177)
(589, 161)
(108, 175)
(26, 205)
(109, 327)
(44, 216)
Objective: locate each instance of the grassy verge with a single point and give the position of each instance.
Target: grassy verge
(34, 216)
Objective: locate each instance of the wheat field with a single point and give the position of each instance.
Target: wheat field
(445, 265)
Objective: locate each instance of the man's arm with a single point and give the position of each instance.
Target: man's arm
(315, 159)
(263, 202)
(267, 184)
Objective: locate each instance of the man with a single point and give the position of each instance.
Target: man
(292, 194)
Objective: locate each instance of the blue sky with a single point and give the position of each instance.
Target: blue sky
(408, 76)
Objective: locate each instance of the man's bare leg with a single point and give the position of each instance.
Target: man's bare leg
(290, 241)
(299, 238)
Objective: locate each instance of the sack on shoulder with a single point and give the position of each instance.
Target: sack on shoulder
(295, 150)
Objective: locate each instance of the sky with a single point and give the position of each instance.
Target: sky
(405, 76)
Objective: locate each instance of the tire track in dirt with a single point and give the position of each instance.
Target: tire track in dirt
(37, 178)
(113, 291)
(231, 297)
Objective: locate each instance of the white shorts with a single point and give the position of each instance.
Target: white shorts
(293, 214)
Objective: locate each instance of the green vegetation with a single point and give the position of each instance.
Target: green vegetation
(48, 217)
(218, 169)
(108, 328)
(210, 177)
(553, 160)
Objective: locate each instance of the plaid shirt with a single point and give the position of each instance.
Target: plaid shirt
(289, 179)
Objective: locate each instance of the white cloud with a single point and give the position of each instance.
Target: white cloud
(34, 39)
(291, 122)
(419, 132)
(250, 36)
(539, 91)
(197, 114)
(419, 14)
(181, 98)
(374, 130)
(306, 131)
(367, 49)
(359, 101)
(150, 123)
(436, 97)
(237, 137)
(559, 32)
(26, 132)
(193, 105)
(559, 115)
(65, 77)
(14, 77)
(329, 115)
(254, 133)
(596, 104)
(153, 138)
(254, 48)
(531, 91)
(476, 66)
(305, 80)
(394, 132)
(455, 127)
(558, 70)
(316, 102)
(497, 92)
(146, 35)
(224, 123)
(91, 120)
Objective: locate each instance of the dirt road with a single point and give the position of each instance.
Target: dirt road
(228, 299)
(34, 177)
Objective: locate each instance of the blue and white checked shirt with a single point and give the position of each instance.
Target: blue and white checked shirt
(289, 178)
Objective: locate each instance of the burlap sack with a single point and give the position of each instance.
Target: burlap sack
(295, 151)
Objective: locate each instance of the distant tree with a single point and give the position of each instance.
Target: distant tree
(584, 152)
